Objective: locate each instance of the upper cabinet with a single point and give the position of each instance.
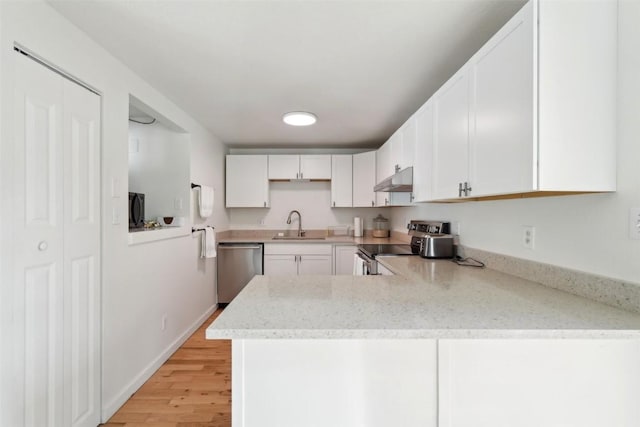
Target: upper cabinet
(533, 111)
(451, 138)
(284, 166)
(247, 183)
(341, 180)
(364, 179)
(422, 168)
(288, 166)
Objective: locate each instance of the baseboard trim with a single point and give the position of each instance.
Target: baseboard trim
(110, 408)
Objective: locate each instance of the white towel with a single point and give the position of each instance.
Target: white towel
(358, 266)
(208, 243)
(206, 201)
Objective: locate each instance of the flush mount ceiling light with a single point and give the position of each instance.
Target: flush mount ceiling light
(299, 118)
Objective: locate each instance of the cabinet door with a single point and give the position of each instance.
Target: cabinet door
(315, 166)
(450, 149)
(501, 135)
(343, 259)
(395, 150)
(383, 170)
(532, 383)
(408, 143)
(342, 181)
(280, 265)
(364, 179)
(247, 182)
(315, 264)
(284, 166)
(422, 168)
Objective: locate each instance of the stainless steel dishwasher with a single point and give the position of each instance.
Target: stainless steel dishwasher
(237, 264)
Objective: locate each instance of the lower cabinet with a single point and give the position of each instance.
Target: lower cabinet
(533, 383)
(429, 383)
(297, 259)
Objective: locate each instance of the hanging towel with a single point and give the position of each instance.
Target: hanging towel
(208, 243)
(358, 266)
(206, 201)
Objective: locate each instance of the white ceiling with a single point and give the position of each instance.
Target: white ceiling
(362, 66)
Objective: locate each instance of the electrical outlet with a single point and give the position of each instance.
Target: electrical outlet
(528, 236)
(634, 223)
(163, 324)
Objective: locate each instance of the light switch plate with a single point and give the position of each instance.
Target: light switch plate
(634, 223)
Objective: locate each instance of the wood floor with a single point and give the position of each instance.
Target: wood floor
(192, 388)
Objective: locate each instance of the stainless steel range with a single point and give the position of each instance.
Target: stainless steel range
(365, 259)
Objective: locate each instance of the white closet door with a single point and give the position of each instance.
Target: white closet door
(57, 242)
(38, 180)
(81, 255)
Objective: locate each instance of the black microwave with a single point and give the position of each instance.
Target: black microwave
(136, 210)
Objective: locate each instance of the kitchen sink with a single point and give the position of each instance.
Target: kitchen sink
(290, 237)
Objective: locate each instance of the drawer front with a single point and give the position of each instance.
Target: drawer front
(298, 249)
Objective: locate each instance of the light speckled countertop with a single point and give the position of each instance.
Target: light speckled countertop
(428, 299)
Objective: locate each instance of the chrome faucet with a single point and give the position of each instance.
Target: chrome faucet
(300, 232)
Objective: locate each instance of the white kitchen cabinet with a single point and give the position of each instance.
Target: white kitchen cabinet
(501, 155)
(423, 165)
(341, 180)
(532, 383)
(406, 156)
(247, 183)
(315, 265)
(343, 259)
(294, 166)
(384, 169)
(451, 138)
(284, 166)
(532, 111)
(364, 179)
(280, 265)
(297, 259)
(315, 166)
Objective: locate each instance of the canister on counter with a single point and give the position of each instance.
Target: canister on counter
(380, 226)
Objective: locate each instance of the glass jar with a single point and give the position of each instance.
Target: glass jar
(380, 226)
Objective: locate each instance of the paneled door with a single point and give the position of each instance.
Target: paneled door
(57, 249)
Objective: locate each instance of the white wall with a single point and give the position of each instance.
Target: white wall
(140, 283)
(586, 232)
(159, 167)
(311, 199)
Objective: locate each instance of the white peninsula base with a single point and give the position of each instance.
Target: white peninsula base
(429, 383)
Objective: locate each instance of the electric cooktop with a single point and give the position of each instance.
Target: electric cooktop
(385, 249)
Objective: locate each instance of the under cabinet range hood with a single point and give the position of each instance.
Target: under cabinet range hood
(400, 182)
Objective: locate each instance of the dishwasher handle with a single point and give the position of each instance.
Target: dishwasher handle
(238, 247)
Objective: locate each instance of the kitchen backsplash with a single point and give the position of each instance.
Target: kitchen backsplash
(311, 199)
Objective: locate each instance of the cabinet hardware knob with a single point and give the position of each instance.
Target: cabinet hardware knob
(460, 190)
(301, 177)
(265, 204)
(43, 246)
(373, 203)
(334, 204)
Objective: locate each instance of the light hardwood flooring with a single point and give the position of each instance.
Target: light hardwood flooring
(192, 388)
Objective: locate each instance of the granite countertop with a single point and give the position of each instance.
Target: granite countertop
(431, 299)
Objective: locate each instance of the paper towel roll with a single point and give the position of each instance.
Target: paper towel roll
(357, 227)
